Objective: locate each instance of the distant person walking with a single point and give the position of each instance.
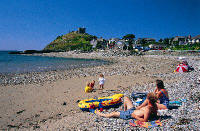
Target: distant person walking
(101, 81)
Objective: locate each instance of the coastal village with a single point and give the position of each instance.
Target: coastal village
(100, 65)
(56, 99)
(80, 40)
(122, 44)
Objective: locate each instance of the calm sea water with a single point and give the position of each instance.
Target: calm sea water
(10, 63)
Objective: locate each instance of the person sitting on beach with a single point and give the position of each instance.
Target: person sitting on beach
(189, 67)
(162, 95)
(101, 81)
(89, 86)
(142, 114)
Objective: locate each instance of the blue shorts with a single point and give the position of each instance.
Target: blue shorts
(126, 114)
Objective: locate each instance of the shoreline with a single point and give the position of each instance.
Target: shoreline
(38, 77)
(40, 105)
(108, 56)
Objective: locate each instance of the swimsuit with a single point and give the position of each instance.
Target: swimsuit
(91, 85)
(164, 100)
(126, 114)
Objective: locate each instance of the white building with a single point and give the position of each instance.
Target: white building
(195, 39)
(93, 43)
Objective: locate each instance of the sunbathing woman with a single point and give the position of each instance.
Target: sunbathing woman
(143, 114)
(162, 95)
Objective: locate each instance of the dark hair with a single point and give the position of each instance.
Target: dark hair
(160, 84)
(101, 75)
(152, 98)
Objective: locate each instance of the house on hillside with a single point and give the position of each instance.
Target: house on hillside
(121, 43)
(93, 42)
(155, 46)
(102, 42)
(182, 40)
(149, 40)
(112, 43)
(113, 40)
(195, 39)
(144, 40)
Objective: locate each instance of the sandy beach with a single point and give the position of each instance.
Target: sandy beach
(49, 101)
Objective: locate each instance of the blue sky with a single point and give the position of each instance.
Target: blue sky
(32, 24)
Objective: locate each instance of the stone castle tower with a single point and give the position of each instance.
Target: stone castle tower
(81, 30)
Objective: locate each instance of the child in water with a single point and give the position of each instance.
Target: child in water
(101, 81)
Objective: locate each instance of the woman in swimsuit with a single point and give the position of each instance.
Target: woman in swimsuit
(141, 114)
(162, 95)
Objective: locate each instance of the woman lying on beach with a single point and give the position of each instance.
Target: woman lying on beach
(142, 114)
(162, 95)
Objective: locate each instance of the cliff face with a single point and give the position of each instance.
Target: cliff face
(71, 41)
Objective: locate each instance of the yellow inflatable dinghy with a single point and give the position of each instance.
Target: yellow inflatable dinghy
(101, 102)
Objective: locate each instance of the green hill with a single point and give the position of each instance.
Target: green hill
(71, 41)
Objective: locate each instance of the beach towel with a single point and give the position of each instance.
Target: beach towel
(150, 124)
(140, 95)
(175, 103)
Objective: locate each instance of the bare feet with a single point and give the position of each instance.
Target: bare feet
(98, 112)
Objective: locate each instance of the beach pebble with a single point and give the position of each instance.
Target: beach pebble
(180, 86)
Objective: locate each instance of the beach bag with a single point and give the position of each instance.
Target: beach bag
(136, 95)
(138, 98)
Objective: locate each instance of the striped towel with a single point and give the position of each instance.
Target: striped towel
(150, 124)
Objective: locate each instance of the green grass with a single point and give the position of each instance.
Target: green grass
(195, 46)
(71, 41)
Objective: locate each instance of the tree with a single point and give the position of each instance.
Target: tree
(125, 47)
(129, 37)
(166, 41)
(143, 42)
(161, 40)
(59, 37)
(99, 45)
(130, 46)
(171, 41)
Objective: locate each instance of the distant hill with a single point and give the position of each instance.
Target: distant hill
(71, 41)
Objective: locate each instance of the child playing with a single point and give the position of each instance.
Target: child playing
(101, 81)
(89, 86)
(92, 84)
(198, 81)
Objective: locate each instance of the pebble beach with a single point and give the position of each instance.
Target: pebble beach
(48, 100)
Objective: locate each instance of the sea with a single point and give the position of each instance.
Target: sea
(16, 64)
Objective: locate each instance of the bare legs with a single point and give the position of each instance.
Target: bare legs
(101, 86)
(143, 104)
(112, 114)
(127, 105)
